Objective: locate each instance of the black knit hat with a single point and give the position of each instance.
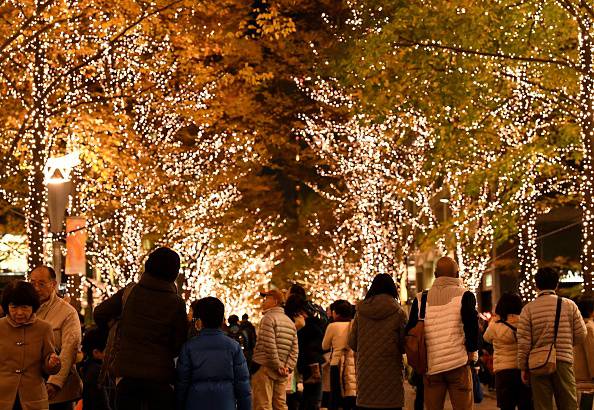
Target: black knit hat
(163, 263)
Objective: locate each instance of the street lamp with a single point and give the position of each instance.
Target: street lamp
(445, 202)
(59, 186)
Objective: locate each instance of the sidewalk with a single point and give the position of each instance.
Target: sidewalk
(489, 402)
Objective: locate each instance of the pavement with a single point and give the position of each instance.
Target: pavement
(488, 403)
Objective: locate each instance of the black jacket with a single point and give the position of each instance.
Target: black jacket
(153, 329)
(310, 345)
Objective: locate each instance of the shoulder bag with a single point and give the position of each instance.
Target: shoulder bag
(542, 360)
(414, 341)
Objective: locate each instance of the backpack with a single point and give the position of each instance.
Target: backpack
(113, 345)
(414, 341)
(240, 336)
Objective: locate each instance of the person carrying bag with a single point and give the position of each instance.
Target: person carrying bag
(545, 353)
(542, 360)
(414, 342)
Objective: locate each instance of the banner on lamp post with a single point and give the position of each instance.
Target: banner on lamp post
(76, 239)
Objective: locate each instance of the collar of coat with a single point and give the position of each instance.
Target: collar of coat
(209, 332)
(12, 323)
(275, 309)
(546, 292)
(148, 281)
(446, 281)
(47, 305)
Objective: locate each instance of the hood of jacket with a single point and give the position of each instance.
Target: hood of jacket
(378, 307)
(160, 285)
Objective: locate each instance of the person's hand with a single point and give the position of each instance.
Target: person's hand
(53, 362)
(526, 377)
(472, 357)
(283, 371)
(52, 390)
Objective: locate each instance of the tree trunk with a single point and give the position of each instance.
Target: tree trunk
(527, 249)
(37, 196)
(587, 129)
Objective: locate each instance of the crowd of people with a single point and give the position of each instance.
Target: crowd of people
(146, 352)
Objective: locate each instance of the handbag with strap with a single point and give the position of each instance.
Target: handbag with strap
(112, 347)
(512, 327)
(414, 341)
(542, 360)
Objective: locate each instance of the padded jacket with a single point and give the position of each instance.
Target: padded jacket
(376, 337)
(277, 344)
(212, 374)
(584, 360)
(336, 340)
(153, 329)
(537, 323)
(505, 345)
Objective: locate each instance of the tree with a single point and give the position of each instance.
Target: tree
(470, 68)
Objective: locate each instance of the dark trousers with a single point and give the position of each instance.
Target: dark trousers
(67, 405)
(586, 401)
(417, 381)
(136, 394)
(337, 401)
(311, 399)
(511, 392)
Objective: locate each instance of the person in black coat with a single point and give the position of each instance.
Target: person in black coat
(153, 328)
(310, 335)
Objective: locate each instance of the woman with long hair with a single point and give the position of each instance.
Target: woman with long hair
(376, 337)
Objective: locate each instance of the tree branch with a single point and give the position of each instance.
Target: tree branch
(497, 55)
(99, 53)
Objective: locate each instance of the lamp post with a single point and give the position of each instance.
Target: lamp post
(59, 186)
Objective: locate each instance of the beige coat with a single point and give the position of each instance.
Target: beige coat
(376, 337)
(584, 361)
(277, 344)
(505, 345)
(537, 323)
(336, 339)
(67, 335)
(24, 354)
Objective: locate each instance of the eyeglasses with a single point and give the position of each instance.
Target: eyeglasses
(39, 284)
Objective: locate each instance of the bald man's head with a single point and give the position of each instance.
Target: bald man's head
(446, 266)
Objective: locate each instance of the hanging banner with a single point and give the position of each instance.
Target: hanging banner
(76, 240)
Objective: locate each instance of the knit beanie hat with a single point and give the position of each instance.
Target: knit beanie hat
(163, 263)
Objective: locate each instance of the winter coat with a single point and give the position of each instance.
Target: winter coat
(212, 374)
(277, 344)
(67, 337)
(584, 360)
(451, 324)
(505, 345)
(310, 346)
(536, 328)
(376, 336)
(24, 354)
(153, 329)
(336, 339)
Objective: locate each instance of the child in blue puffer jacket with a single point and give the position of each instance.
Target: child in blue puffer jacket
(212, 373)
